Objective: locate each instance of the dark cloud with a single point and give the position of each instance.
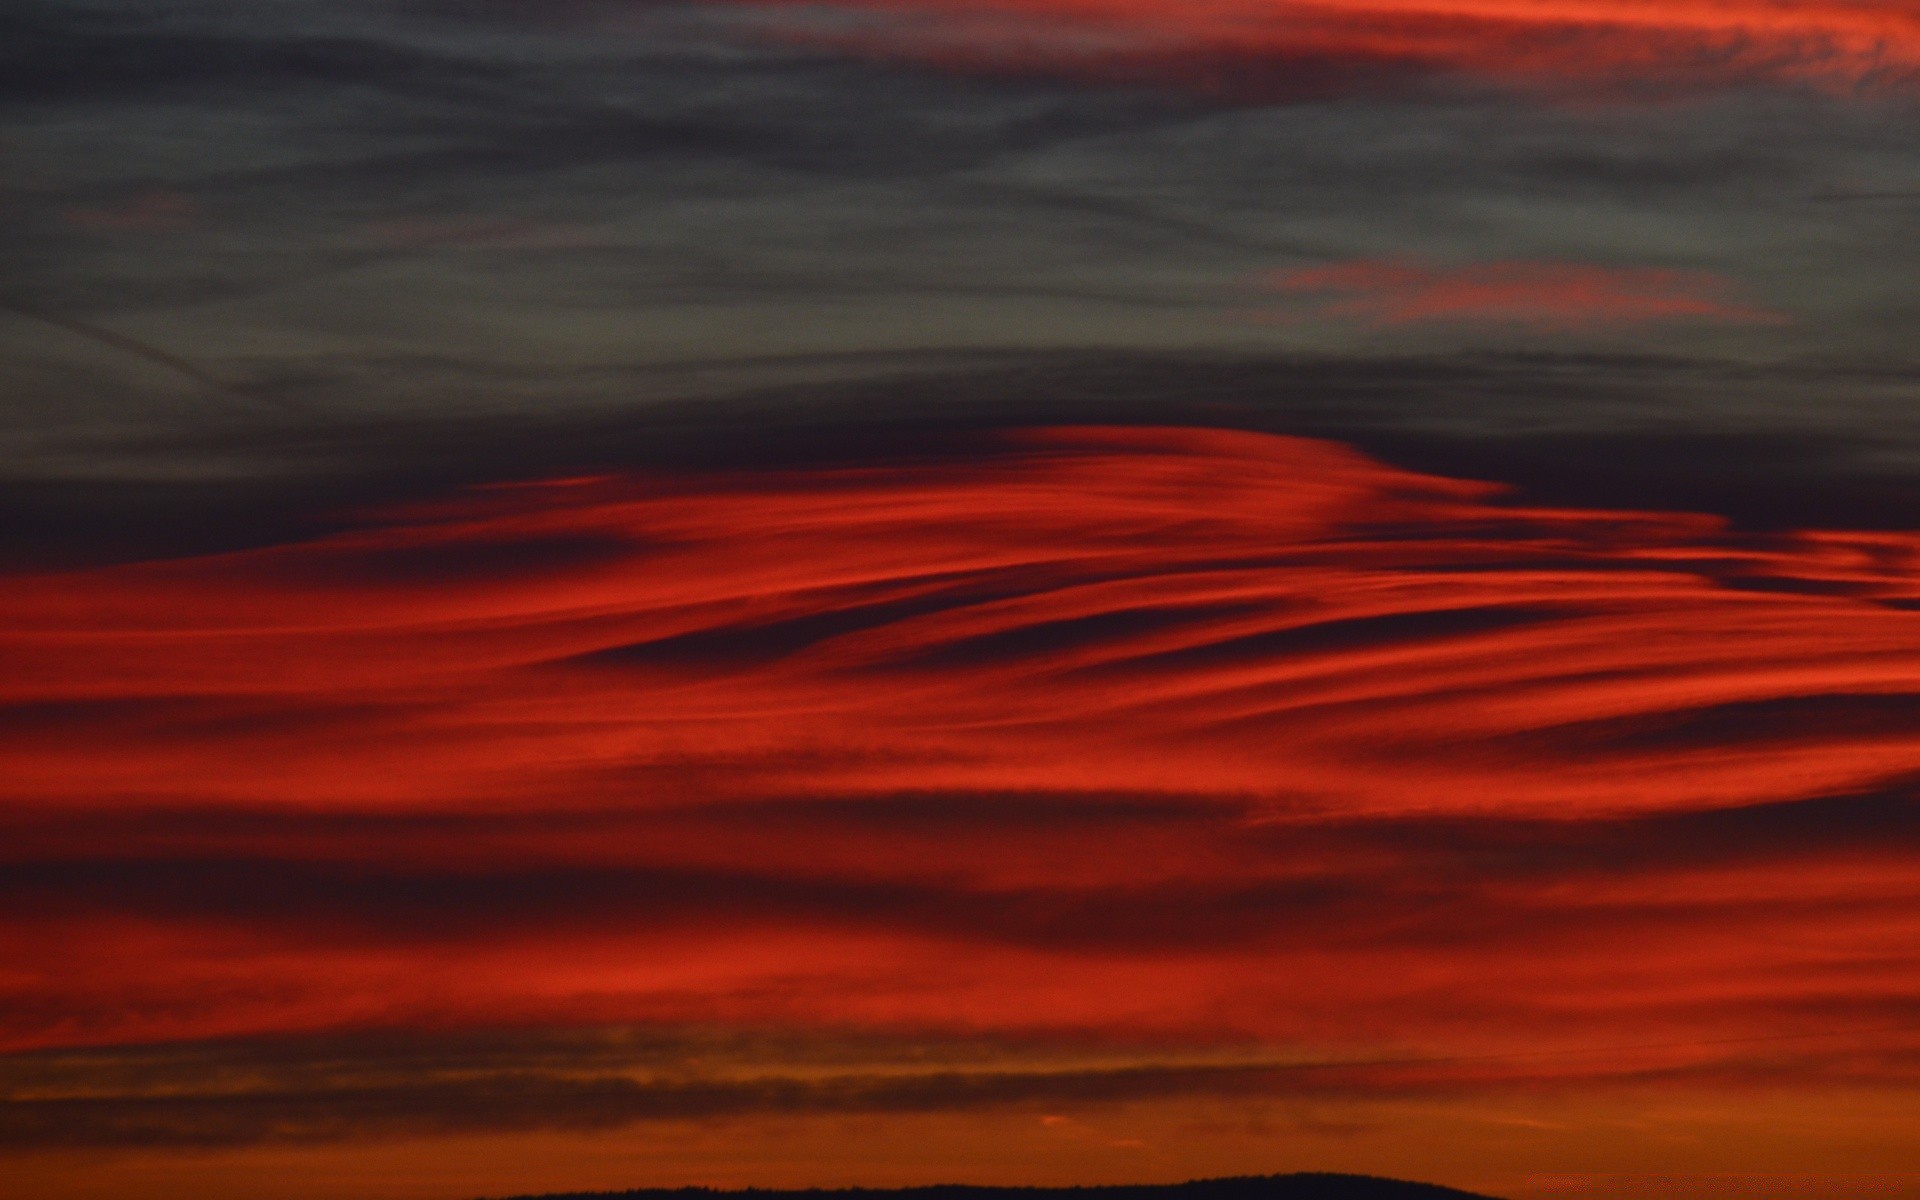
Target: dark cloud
(385, 881)
(63, 53)
(359, 1087)
(483, 1101)
(356, 904)
(374, 208)
(1617, 432)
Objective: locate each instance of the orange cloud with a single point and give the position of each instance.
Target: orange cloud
(1288, 47)
(1549, 295)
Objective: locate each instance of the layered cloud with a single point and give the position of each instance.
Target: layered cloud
(1262, 601)
(1286, 47)
(242, 1093)
(1147, 736)
(784, 778)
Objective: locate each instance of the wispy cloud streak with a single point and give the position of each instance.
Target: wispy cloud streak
(1124, 733)
(1545, 295)
(1286, 47)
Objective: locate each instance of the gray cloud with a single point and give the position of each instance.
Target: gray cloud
(373, 209)
(1604, 430)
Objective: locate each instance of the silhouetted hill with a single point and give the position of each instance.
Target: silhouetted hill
(1304, 1186)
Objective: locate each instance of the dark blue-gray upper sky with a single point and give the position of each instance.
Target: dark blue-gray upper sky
(251, 238)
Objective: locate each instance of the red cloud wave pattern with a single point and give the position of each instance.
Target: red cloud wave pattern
(1137, 731)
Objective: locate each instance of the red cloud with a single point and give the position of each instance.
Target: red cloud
(1287, 47)
(1544, 294)
(1137, 732)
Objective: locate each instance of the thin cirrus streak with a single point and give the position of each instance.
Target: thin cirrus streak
(1288, 46)
(1548, 295)
(1137, 733)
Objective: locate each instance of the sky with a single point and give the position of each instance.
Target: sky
(611, 593)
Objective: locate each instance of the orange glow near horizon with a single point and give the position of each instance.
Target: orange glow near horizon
(1222, 44)
(1284, 771)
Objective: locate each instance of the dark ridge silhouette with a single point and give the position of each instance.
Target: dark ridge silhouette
(1301, 1186)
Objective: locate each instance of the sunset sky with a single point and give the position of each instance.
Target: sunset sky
(614, 593)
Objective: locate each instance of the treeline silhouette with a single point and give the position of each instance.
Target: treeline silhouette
(1302, 1186)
